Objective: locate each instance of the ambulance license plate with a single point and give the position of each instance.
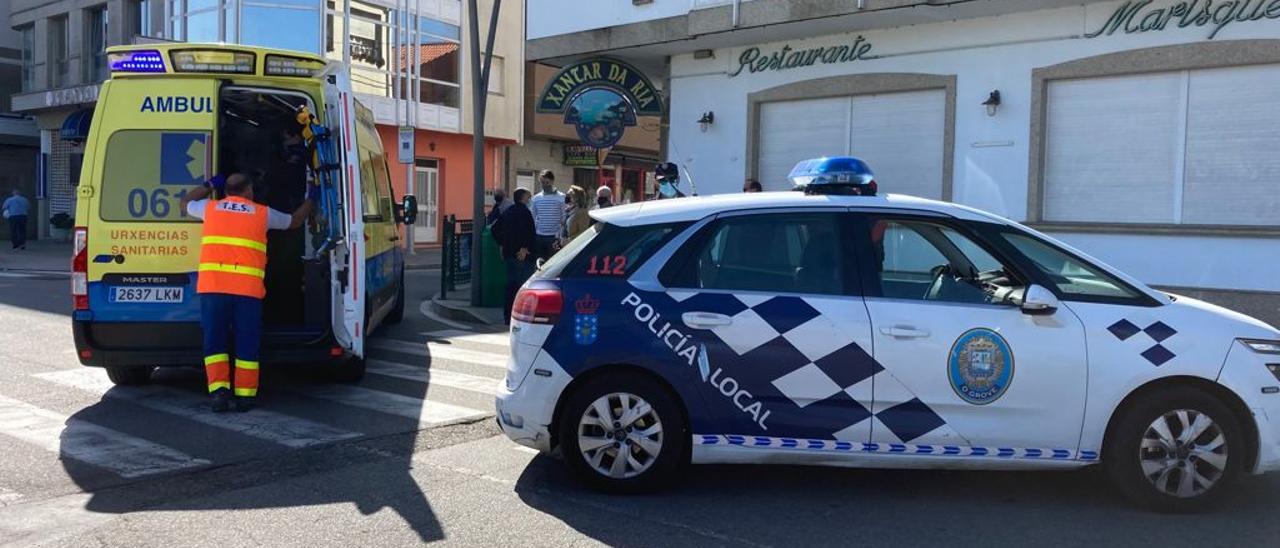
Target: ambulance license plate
(146, 295)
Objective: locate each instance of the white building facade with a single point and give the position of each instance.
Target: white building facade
(1141, 131)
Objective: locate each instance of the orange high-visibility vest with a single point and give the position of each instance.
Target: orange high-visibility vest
(233, 250)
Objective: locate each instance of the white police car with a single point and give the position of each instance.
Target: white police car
(887, 331)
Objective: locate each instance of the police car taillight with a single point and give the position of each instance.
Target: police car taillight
(80, 269)
(538, 305)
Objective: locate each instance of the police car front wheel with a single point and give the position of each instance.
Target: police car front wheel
(623, 432)
(1176, 450)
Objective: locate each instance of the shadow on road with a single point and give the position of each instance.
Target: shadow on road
(805, 506)
(247, 469)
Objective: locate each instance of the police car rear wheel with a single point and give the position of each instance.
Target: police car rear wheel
(623, 433)
(1176, 451)
(129, 376)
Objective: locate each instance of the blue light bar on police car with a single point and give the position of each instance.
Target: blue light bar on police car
(838, 174)
(147, 60)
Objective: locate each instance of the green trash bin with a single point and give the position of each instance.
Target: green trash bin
(493, 271)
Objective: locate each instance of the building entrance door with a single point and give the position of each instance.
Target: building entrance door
(426, 186)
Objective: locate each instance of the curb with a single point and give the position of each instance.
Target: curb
(457, 313)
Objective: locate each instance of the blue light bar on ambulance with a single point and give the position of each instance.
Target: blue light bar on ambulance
(215, 61)
(285, 65)
(146, 60)
(835, 175)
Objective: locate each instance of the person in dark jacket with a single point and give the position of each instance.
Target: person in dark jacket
(515, 234)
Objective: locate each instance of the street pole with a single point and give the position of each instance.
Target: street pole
(479, 100)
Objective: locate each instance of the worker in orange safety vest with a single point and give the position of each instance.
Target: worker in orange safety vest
(233, 263)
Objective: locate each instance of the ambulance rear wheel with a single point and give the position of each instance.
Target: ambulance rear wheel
(348, 371)
(129, 376)
(623, 432)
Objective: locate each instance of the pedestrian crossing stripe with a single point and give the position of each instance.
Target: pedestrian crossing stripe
(442, 352)
(492, 339)
(125, 455)
(434, 377)
(264, 424)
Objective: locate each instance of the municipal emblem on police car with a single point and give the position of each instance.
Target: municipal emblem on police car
(980, 366)
(586, 325)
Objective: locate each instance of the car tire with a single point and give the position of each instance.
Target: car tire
(1153, 458)
(348, 371)
(397, 314)
(129, 376)
(615, 394)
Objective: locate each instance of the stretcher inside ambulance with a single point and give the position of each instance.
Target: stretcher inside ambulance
(173, 116)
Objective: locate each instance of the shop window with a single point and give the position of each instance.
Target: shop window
(260, 24)
(59, 50)
(95, 44)
(1164, 148)
(28, 57)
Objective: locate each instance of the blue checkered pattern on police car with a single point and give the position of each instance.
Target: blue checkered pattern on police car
(809, 353)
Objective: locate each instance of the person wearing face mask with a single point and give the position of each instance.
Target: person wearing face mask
(604, 197)
(668, 176)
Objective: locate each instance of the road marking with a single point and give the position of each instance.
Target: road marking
(128, 456)
(451, 379)
(495, 339)
(442, 351)
(426, 412)
(285, 430)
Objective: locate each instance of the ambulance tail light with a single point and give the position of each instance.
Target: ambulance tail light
(80, 268)
(541, 305)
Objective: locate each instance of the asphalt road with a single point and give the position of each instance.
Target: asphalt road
(411, 455)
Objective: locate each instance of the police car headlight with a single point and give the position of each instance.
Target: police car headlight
(1262, 346)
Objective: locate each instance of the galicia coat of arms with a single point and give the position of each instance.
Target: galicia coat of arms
(586, 325)
(980, 366)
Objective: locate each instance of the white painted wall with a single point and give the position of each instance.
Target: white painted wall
(985, 54)
(556, 17)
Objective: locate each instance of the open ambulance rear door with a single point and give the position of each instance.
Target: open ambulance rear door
(347, 259)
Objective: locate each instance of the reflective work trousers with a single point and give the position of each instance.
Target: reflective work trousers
(221, 316)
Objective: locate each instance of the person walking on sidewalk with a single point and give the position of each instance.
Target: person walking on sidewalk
(516, 236)
(548, 215)
(577, 219)
(15, 210)
(233, 263)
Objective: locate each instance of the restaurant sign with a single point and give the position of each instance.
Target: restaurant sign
(600, 98)
(1138, 16)
(752, 60)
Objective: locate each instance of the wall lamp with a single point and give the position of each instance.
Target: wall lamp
(992, 103)
(708, 118)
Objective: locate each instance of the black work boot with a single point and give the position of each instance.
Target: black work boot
(221, 400)
(244, 404)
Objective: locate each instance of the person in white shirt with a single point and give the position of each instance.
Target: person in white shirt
(548, 215)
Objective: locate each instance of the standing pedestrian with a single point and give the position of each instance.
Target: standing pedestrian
(548, 214)
(233, 262)
(752, 185)
(604, 197)
(16, 208)
(576, 217)
(499, 205)
(516, 236)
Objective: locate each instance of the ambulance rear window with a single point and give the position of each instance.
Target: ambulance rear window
(147, 172)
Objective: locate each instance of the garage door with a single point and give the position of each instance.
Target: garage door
(1188, 147)
(899, 134)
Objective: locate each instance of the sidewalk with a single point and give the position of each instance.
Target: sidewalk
(458, 308)
(40, 256)
(423, 259)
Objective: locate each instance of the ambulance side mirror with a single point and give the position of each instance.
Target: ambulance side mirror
(1036, 299)
(408, 209)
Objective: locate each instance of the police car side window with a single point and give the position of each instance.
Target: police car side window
(782, 253)
(926, 261)
(1072, 277)
(613, 251)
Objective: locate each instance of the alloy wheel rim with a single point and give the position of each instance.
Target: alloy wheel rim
(1183, 453)
(620, 435)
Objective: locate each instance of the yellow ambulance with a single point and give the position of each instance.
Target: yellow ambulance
(171, 117)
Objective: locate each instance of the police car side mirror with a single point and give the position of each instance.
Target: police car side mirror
(1036, 299)
(408, 209)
